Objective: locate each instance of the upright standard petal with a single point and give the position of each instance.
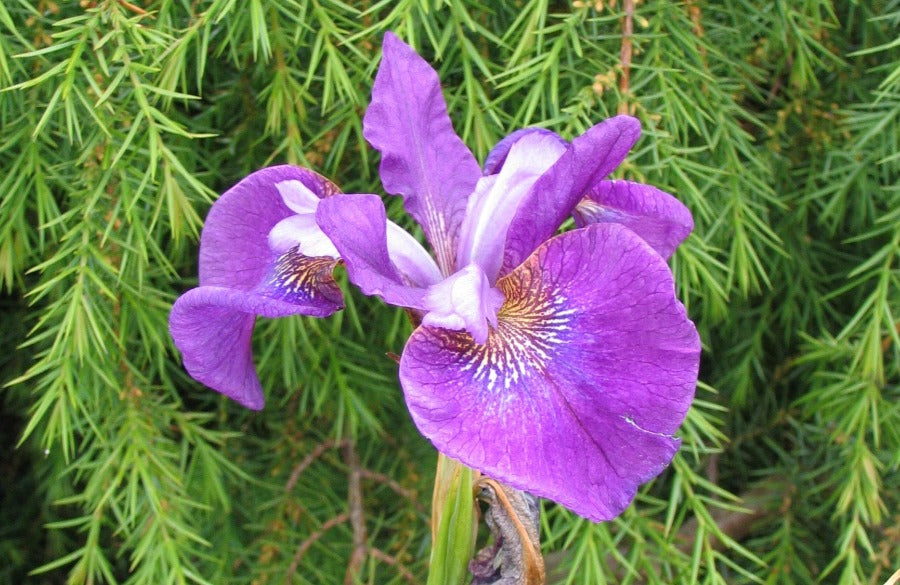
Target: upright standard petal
(422, 158)
(497, 156)
(357, 226)
(660, 219)
(576, 394)
(588, 160)
(496, 199)
(242, 276)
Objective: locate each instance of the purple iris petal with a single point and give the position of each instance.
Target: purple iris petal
(493, 206)
(212, 325)
(566, 377)
(464, 300)
(301, 231)
(410, 258)
(298, 197)
(588, 160)
(497, 156)
(234, 247)
(577, 392)
(422, 158)
(663, 221)
(357, 226)
(241, 277)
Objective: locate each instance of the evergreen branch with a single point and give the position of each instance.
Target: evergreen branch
(311, 540)
(776, 123)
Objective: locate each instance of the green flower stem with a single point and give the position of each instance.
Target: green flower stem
(453, 523)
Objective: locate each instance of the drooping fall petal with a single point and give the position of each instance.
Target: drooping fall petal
(660, 219)
(212, 325)
(422, 158)
(576, 394)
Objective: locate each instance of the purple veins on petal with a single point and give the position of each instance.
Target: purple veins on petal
(422, 158)
(577, 392)
(212, 325)
(660, 219)
(300, 279)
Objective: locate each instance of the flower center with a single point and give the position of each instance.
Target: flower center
(464, 300)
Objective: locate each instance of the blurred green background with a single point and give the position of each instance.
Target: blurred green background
(777, 123)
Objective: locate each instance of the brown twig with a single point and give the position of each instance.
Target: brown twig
(357, 516)
(132, 7)
(625, 55)
(311, 540)
(394, 485)
(392, 561)
(694, 12)
(712, 469)
(697, 22)
(307, 461)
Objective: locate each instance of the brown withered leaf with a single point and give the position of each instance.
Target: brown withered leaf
(514, 558)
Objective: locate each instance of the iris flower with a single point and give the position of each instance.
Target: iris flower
(559, 364)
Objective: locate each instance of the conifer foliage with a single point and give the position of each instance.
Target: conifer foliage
(777, 123)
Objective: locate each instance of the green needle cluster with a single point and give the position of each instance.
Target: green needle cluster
(776, 122)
